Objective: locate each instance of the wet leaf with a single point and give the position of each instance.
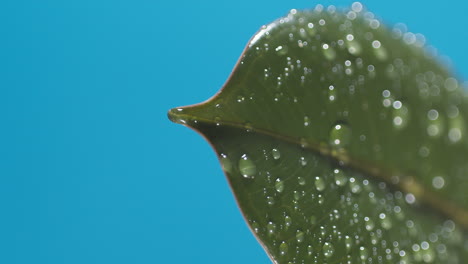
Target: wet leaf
(344, 142)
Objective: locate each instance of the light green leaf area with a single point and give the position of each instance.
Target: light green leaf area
(343, 141)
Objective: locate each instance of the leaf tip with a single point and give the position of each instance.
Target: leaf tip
(176, 115)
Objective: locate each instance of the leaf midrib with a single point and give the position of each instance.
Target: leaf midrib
(406, 182)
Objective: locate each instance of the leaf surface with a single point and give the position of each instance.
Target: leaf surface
(343, 141)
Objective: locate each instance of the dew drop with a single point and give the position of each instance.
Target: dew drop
(270, 200)
(283, 248)
(331, 93)
(301, 180)
(340, 177)
(379, 51)
(246, 167)
(306, 121)
(353, 46)
(363, 253)
(348, 243)
(279, 185)
(340, 135)
(271, 228)
(299, 236)
(438, 182)
(369, 223)
(400, 115)
(385, 221)
(225, 163)
(328, 249)
(354, 185)
(287, 221)
(328, 52)
(282, 50)
(276, 154)
(310, 250)
(319, 184)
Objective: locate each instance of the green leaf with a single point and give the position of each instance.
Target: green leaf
(343, 142)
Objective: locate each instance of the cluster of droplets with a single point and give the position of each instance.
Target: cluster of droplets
(368, 221)
(339, 210)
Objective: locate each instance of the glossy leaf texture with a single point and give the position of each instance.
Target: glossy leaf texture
(344, 141)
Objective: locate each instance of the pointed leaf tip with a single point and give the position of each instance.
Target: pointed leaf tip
(176, 116)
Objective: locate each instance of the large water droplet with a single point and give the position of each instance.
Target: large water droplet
(246, 167)
(354, 185)
(282, 50)
(340, 177)
(379, 51)
(385, 221)
(328, 249)
(363, 252)
(353, 46)
(438, 182)
(276, 154)
(348, 243)
(328, 52)
(271, 228)
(279, 185)
(319, 184)
(226, 163)
(400, 115)
(435, 127)
(287, 221)
(340, 135)
(300, 236)
(283, 248)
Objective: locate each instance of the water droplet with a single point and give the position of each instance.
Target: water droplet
(282, 50)
(299, 236)
(456, 130)
(331, 93)
(340, 135)
(271, 228)
(301, 180)
(255, 227)
(354, 185)
(328, 249)
(276, 154)
(400, 115)
(306, 121)
(328, 52)
(369, 223)
(270, 200)
(319, 184)
(435, 127)
(287, 221)
(385, 221)
(363, 253)
(279, 185)
(438, 182)
(303, 161)
(410, 198)
(310, 250)
(283, 248)
(246, 167)
(353, 46)
(451, 84)
(225, 163)
(340, 177)
(379, 51)
(348, 243)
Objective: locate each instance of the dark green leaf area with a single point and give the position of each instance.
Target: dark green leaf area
(306, 208)
(397, 108)
(344, 141)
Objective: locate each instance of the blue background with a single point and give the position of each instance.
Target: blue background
(91, 170)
